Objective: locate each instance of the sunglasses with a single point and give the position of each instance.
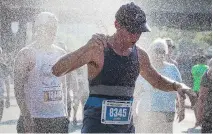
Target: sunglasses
(171, 46)
(158, 51)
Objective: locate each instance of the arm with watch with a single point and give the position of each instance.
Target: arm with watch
(160, 82)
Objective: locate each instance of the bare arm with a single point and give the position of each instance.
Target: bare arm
(76, 59)
(153, 77)
(200, 104)
(21, 68)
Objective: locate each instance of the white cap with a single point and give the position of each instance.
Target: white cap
(45, 18)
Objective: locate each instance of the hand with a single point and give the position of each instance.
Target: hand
(101, 39)
(183, 89)
(7, 103)
(193, 97)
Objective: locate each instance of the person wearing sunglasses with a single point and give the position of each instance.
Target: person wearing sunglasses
(156, 109)
(171, 49)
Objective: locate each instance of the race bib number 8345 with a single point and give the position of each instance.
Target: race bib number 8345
(116, 112)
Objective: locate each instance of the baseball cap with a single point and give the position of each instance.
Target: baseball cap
(133, 18)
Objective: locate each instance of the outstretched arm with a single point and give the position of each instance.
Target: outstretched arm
(154, 78)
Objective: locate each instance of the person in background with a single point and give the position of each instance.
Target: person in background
(204, 103)
(171, 48)
(156, 109)
(198, 70)
(71, 83)
(4, 85)
(80, 93)
(40, 95)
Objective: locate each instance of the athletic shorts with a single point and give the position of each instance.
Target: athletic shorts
(93, 125)
(45, 125)
(206, 127)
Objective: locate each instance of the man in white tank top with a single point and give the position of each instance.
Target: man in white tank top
(39, 94)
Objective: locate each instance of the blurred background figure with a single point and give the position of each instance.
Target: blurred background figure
(156, 109)
(4, 84)
(198, 70)
(171, 48)
(41, 97)
(71, 82)
(204, 104)
(80, 93)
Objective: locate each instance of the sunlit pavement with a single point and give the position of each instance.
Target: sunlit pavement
(10, 116)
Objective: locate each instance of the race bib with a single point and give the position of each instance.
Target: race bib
(116, 112)
(52, 95)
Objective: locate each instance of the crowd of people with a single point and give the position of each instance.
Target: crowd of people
(122, 88)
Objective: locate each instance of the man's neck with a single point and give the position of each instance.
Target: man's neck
(118, 46)
(43, 45)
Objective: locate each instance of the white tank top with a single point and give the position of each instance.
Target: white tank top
(44, 95)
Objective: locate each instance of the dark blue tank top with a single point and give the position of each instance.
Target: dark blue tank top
(116, 81)
(118, 74)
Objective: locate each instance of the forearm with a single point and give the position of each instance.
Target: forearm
(20, 98)
(71, 61)
(148, 72)
(165, 84)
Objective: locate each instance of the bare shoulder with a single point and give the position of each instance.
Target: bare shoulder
(26, 52)
(25, 58)
(98, 42)
(142, 54)
(94, 47)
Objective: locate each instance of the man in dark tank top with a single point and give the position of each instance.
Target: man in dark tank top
(114, 63)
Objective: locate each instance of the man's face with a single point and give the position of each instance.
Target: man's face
(128, 39)
(47, 32)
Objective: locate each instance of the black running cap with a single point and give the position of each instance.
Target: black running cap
(133, 18)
